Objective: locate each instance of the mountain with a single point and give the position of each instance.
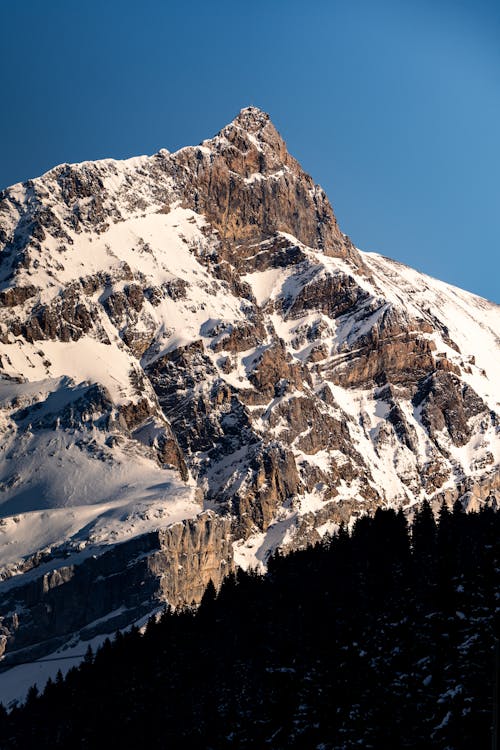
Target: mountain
(198, 367)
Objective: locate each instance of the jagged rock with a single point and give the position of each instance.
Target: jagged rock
(173, 565)
(434, 474)
(93, 409)
(273, 481)
(310, 428)
(135, 413)
(331, 295)
(67, 318)
(404, 359)
(194, 330)
(276, 373)
(192, 554)
(175, 288)
(448, 404)
(241, 338)
(147, 425)
(396, 417)
(227, 187)
(17, 295)
(277, 252)
(317, 353)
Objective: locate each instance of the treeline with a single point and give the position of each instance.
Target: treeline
(382, 638)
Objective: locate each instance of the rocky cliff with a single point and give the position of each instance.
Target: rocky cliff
(102, 592)
(192, 331)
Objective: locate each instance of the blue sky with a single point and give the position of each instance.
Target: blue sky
(392, 106)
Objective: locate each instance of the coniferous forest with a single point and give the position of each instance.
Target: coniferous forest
(382, 638)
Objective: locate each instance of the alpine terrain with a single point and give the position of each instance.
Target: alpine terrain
(198, 367)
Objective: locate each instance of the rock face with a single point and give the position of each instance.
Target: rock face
(190, 332)
(192, 554)
(105, 592)
(250, 188)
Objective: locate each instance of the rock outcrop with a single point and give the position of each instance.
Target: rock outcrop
(192, 331)
(105, 592)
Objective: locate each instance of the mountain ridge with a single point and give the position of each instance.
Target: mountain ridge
(192, 332)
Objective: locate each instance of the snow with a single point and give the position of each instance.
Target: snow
(165, 247)
(99, 495)
(444, 721)
(96, 496)
(141, 504)
(65, 485)
(85, 360)
(473, 323)
(266, 284)
(310, 502)
(329, 528)
(253, 552)
(15, 682)
(258, 176)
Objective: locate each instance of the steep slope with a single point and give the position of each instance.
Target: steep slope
(192, 331)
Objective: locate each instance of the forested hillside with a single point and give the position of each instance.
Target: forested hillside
(382, 638)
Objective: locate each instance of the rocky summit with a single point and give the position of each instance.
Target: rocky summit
(199, 367)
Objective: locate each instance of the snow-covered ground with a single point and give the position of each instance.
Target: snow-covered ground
(15, 683)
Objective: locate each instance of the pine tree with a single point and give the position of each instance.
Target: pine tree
(344, 645)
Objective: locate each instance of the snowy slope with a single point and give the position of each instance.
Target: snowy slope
(192, 331)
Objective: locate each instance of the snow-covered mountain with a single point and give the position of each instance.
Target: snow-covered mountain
(188, 341)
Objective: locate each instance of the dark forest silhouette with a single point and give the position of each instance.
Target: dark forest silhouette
(383, 638)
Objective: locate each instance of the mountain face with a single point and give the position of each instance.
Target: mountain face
(198, 366)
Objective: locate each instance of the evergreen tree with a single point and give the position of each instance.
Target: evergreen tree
(365, 641)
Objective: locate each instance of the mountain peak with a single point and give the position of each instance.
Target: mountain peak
(252, 128)
(193, 330)
(252, 119)
(251, 187)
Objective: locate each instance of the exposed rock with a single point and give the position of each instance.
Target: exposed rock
(396, 417)
(276, 374)
(147, 424)
(192, 554)
(67, 318)
(225, 328)
(332, 295)
(227, 187)
(173, 565)
(242, 337)
(17, 295)
(448, 404)
(175, 288)
(309, 427)
(406, 358)
(135, 413)
(93, 409)
(276, 252)
(434, 474)
(318, 353)
(273, 481)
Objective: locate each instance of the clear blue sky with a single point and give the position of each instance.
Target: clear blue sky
(392, 105)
